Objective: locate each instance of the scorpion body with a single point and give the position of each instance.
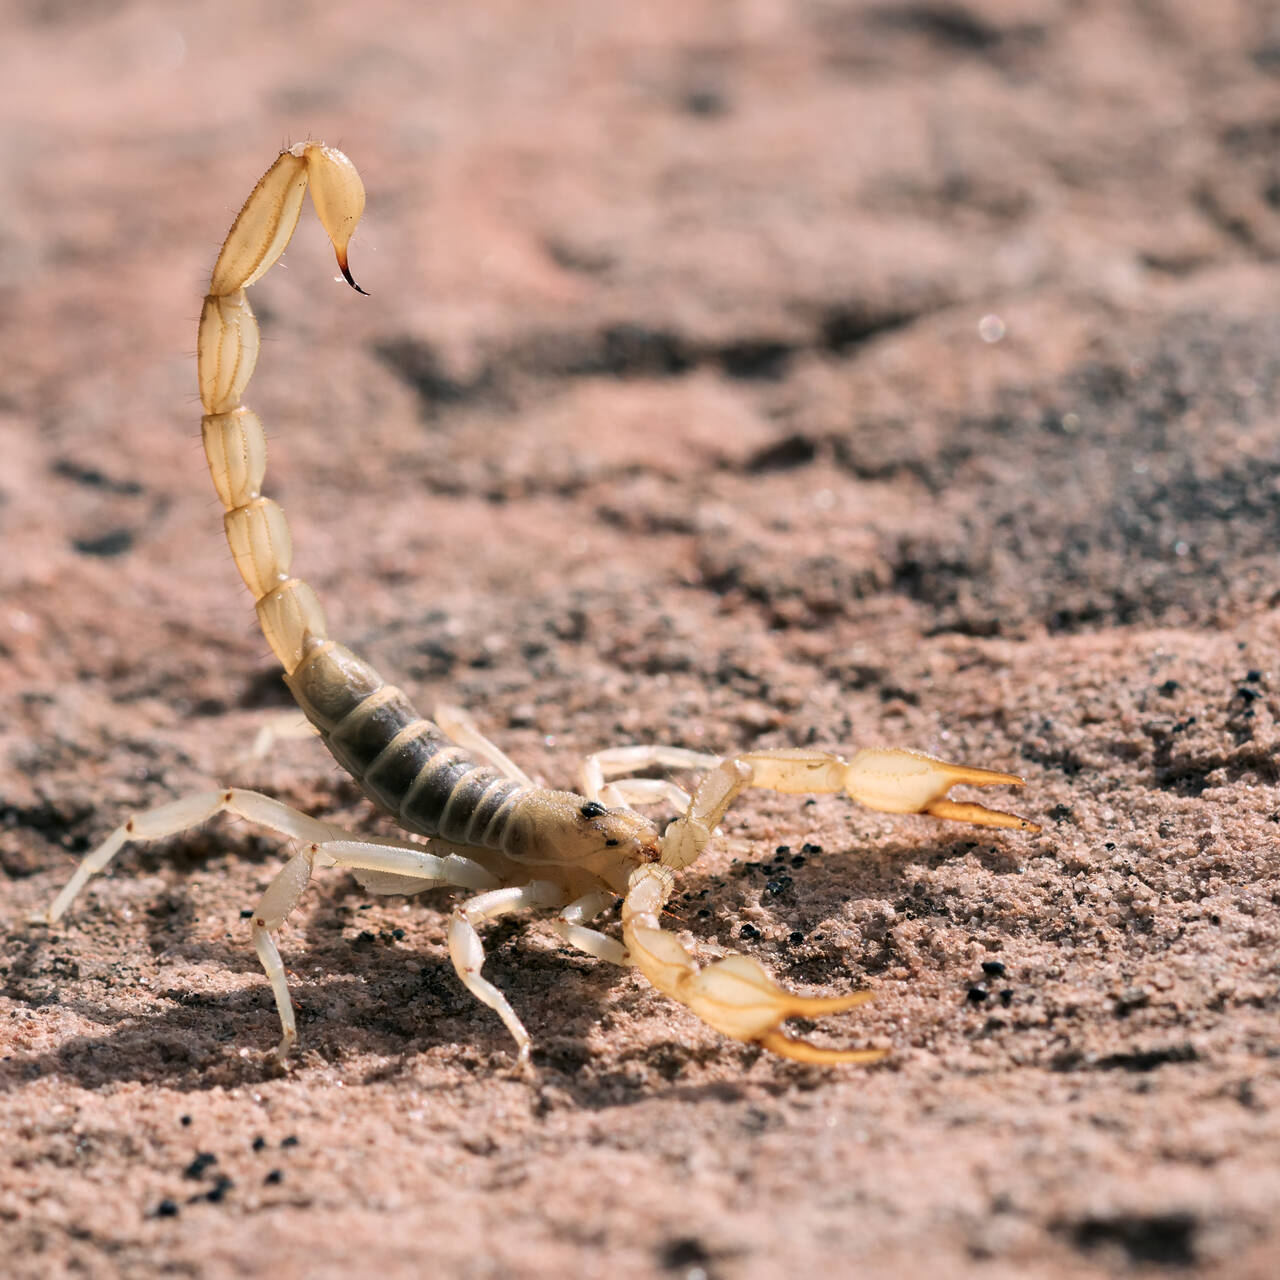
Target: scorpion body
(487, 827)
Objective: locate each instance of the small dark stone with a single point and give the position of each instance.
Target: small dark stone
(798, 860)
(166, 1209)
(397, 934)
(259, 1142)
(748, 931)
(1169, 688)
(1006, 996)
(993, 968)
(782, 850)
(809, 847)
(274, 1178)
(976, 995)
(197, 1167)
(219, 1189)
(705, 102)
(113, 543)
(683, 1253)
(795, 937)
(1253, 677)
(246, 914)
(290, 1141)
(593, 809)
(185, 1121)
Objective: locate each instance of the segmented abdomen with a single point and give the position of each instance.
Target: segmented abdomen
(403, 763)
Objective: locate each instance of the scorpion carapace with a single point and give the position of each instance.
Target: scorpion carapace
(484, 825)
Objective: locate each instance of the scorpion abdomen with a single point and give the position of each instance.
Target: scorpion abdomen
(401, 760)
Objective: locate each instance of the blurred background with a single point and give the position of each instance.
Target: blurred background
(734, 373)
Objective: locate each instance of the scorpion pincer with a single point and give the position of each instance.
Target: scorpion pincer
(484, 826)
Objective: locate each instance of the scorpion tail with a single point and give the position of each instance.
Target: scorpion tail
(235, 445)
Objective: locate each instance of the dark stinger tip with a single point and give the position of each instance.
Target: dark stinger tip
(348, 277)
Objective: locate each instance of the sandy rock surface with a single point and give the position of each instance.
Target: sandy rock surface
(735, 374)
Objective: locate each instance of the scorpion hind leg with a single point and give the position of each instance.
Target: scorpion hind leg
(182, 815)
(459, 727)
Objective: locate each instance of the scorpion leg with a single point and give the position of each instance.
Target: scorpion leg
(191, 811)
(459, 727)
(570, 927)
(736, 995)
(286, 726)
(381, 867)
(628, 790)
(467, 953)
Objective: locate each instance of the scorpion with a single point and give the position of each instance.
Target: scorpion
(482, 824)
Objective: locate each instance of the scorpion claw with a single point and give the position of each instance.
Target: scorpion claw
(895, 780)
(816, 1054)
(735, 995)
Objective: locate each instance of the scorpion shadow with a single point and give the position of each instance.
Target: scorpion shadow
(366, 996)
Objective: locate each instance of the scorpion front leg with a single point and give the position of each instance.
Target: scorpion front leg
(380, 866)
(467, 952)
(736, 995)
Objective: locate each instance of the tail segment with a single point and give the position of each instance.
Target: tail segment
(234, 444)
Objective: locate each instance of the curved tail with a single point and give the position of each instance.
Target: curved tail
(234, 444)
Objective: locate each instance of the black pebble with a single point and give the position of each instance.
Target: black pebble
(810, 848)
(290, 1141)
(993, 968)
(977, 995)
(259, 1142)
(197, 1167)
(218, 1190)
(593, 809)
(1006, 996)
(246, 914)
(748, 931)
(185, 1121)
(166, 1209)
(273, 1179)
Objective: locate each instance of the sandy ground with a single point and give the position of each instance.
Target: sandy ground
(734, 374)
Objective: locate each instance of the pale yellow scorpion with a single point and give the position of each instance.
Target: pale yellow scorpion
(488, 828)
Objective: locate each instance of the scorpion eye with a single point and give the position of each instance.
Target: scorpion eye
(593, 809)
